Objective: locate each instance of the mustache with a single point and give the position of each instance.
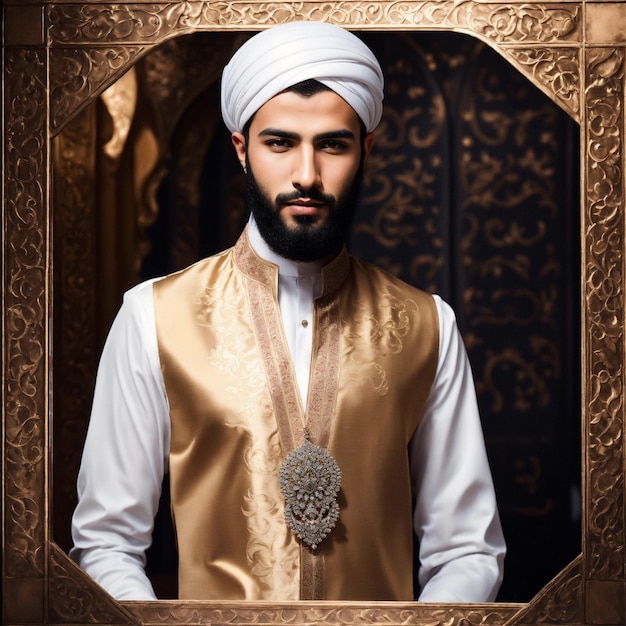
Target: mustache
(310, 194)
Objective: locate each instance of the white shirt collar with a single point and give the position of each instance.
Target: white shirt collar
(286, 267)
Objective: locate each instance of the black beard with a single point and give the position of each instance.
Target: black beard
(308, 241)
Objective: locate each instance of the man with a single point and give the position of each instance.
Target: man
(312, 410)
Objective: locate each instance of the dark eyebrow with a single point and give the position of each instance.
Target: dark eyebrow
(335, 134)
(275, 132)
(343, 133)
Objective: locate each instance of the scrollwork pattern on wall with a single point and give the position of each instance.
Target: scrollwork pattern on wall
(398, 226)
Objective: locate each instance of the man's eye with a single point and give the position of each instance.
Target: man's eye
(332, 145)
(278, 143)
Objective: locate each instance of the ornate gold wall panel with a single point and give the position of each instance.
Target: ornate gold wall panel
(59, 56)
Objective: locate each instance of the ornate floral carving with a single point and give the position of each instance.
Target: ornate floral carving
(560, 602)
(75, 599)
(526, 23)
(152, 23)
(343, 614)
(77, 76)
(556, 71)
(25, 385)
(603, 228)
(78, 72)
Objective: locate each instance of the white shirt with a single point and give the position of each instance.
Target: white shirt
(127, 447)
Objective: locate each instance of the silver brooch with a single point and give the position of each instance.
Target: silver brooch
(309, 480)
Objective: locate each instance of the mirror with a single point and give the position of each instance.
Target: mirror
(91, 46)
(469, 193)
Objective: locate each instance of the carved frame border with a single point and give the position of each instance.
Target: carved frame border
(58, 56)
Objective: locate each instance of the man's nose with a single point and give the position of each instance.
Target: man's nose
(306, 173)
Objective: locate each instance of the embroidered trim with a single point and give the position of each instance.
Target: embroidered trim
(323, 384)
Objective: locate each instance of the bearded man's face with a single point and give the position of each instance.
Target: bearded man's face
(304, 158)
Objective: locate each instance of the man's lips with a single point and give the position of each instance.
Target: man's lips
(305, 207)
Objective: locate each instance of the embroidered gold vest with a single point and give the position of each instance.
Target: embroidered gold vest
(236, 413)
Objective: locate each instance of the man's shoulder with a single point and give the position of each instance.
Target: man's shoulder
(385, 278)
(195, 270)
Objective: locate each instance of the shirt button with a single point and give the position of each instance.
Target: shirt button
(304, 323)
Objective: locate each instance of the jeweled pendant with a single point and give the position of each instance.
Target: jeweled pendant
(309, 480)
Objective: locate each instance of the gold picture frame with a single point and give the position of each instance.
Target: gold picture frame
(59, 56)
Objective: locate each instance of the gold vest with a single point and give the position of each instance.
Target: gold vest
(236, 412)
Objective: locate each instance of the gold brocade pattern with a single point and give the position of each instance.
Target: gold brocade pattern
(385, 334)
(263, 512)
(271, 558)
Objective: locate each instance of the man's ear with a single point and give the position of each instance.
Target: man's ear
(368, 142)
(239, 141)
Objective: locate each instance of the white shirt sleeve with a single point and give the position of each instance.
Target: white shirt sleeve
(125, 455)
(455, 517)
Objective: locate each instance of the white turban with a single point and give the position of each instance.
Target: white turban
(280, 57)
